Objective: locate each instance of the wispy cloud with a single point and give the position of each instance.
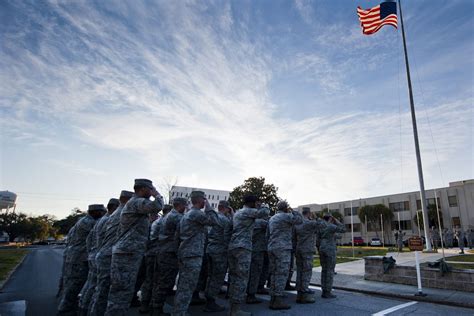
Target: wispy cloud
(189, 94)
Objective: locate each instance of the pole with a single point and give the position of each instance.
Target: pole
(366, 231)
(352, 231)
(418, 221)
(381, 225)
(415, 136)
(439, 225)
(418, 274)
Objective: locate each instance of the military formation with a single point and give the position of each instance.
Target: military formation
(188, 252)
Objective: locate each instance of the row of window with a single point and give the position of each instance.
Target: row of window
(404, 225)
(186, 195)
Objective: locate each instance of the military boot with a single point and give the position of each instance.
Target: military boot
(158, 311)
(262, 290)
(144, 307)
(236, 311)
(328, 295)
(299, 297)
(212, 306)
(306, 298)
(252, 299)
(277, 303)
(197, 300)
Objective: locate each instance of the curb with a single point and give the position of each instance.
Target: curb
(9, 275)
(411, 297)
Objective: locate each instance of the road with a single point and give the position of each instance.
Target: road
(32, 289)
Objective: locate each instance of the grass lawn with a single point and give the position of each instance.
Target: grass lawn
(9, 258)
(317, 263)
(360, 252)
(461, 258)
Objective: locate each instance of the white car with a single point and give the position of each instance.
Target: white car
(375, 242)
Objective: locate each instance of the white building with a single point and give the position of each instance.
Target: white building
(456, 203)
(213, 196)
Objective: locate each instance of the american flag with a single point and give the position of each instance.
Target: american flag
(373, 19)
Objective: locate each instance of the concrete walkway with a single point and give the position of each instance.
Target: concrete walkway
(350, 277)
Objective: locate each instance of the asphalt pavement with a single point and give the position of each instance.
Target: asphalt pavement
(32, 289)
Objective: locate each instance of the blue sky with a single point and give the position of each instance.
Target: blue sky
(95, 94)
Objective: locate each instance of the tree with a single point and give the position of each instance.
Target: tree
(432, 217)
(165, 186)
(14, 224)
(64, 225)
(372, 213)
(267, 193)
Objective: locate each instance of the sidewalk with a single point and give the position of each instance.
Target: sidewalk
(350, 277)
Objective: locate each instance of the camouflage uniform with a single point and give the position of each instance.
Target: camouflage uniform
(166, 265)
(192, 231)
(240, 251)
(448, 238)
(259, 247)
(150, 258)
(280, 245)
(128, 252)
(327, 254)
(460, 237)
(92, 247)
(399, 238)
(75, 265)
(306, 233)
(103, 259)
(218, 242)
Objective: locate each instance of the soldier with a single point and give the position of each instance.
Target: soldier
(128, 251)
(448, 238)
(104, 256)
(288, 286)
(150, 258)
(259, 247)
(470, 238)
(92, 243)
(435, 238)
(280, 245)
(399, 238)
(192, 230)
(327, 253)
(240, 252)
(460, 237)
(306, 233)
(217, 247)
(166, 265)
(75, 265)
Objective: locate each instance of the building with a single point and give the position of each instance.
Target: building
(213, 196)
(456, 203)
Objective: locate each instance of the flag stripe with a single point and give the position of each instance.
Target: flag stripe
(371, 20)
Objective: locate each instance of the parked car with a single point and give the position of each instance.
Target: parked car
(375, 242)
(358, 241)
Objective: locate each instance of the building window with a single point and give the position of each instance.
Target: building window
(218, 197)
(399, 206)
(404, 225)
(347, 211)
(172, 193)
(430, 201)
(306, 209)
(356, 228)
(334, 210)
(452, 200)
(456, 221)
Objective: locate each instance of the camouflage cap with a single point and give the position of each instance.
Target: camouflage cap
(96, 207)
(282, 205)
(113, 201)
(224, 204)
(126, 194)
(144, 182)
(180, 200)
(197, 194)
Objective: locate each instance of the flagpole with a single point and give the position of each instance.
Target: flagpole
(415, 135)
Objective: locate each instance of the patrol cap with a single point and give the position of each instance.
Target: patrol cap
(282, 205)
(198, 194)
(144, 182)
(126, 194)
(250, 198)
(167, 207)
(224, 204)
(113, 201)
(180, 200)
(96, 207)
(326, 215)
